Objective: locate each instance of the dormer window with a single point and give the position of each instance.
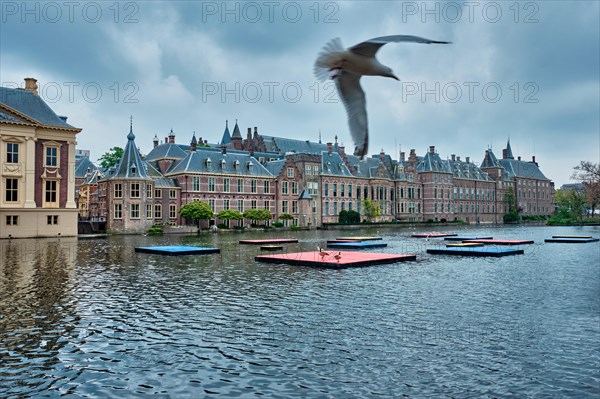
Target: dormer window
(250, 165)
(236, 165)
(329, 166)
(223, 163)
(208, 163)
(132, 169)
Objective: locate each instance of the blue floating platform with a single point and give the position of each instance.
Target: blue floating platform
(462, 238)
(572, 240)
(177, 250)
(356, 244)
(486, 251)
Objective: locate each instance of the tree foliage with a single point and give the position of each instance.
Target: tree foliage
(286, 216)
(111, 158)
(571, 204)
(196, 210)
(372, 209)
(230, 214)
(348, 217)
(257, 214)
(589, 174)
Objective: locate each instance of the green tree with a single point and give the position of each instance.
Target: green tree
(286, 216)
(257, 214)
(372, 209)
(230, 214)
(349, 217)
(196, 210)
(510, 206)
(589, 174)
(571, 203)
(111, 158)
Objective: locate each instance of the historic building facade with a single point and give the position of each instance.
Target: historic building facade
(37, 167)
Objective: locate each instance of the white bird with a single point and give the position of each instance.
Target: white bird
(346, 67)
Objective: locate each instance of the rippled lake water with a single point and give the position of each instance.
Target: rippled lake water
(94, 319)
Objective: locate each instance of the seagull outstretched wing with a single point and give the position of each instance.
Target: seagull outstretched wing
(353, 97)
(369, 48)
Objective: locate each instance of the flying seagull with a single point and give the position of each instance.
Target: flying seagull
(346, 67)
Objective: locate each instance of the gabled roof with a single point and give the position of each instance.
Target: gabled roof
(207, 161)
(285, 145)
(84, 166)
(94, 176)
(159, 180)
(490, 160)
(368, 167)
(431, 162)
(275, 167)
(515, 168)
(236, 131)
(166, 151)
(131, 165)
(333, 165)
(467, 170)
(32, 106)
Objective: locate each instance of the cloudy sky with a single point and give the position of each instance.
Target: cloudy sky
(528, 71)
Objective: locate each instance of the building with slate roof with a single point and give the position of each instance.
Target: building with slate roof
(37, 167)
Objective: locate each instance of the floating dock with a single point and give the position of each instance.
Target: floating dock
(177, 250)
(356, 244)
(346, 259)
(433, 235)
(271, 247)
(495, 252)
(572, 240)
(359, 238)
(465, 244)
(344, 240)
(572, 237)
(464, 238)
(269, 241)
(501, 242)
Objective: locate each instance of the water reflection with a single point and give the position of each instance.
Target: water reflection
(95, 319)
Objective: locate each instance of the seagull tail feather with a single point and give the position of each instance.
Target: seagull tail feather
(328, 58)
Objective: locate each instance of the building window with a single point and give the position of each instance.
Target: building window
(157, 211)
(195, 183)
(335, 189)
(52, 219)
(172, 194)
(290, 173)
(284, 207)
(335, 208)
(135, 190)
(149, 190)
(173, 210)
(12, 220)
(295, 188)
(253, 204)
(50, 191)
(12, 190)
(326, 208)
(308, 170)
(342, 189)
(225, 204)
(118, 190)
(12, 153)
(211, 184)
(349, 190)
(267, 204)
(226, 185)
(240, 186)
(267, 186)
(134, 212)
(326, 190)
(294, 206)
(51, 156)
(315, 170)
(240, 206)
(284, 187)
(148, 211)
(118, 213)
(157, 194)
(253, 186)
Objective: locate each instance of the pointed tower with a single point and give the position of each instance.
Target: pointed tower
(131, 165)
(193, 143)
(226, 139)
(236, 137)
(507, 153)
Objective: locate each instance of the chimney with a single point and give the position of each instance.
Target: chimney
(533, 159)
(249, 134)
(504, 153)
(224, 150)
(171, 137)
(193, 143)
(329, 147)
(432, 149)
(155, 141)
(519, 158)
(402, 156)
(467, 159)
(382, 155)
(166, 140)
(342, 151)
(458, 158)
(31, 85)
(255, 132)
(453, 157)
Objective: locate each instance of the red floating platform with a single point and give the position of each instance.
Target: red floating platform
(269, 241)
(346, 259)
(433, 235)
(501, 242)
